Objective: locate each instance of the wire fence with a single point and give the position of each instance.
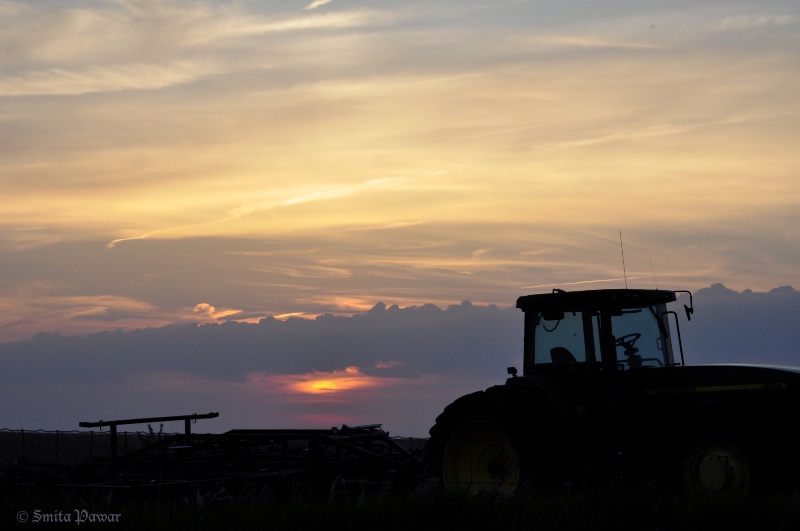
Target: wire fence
(26, 447)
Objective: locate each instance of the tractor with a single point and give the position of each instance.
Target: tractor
(602, 395)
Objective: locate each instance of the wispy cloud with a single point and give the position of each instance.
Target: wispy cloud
(338, 20)
(290, 200)
(594, 42)
(317, 3)
(578, 283)
(654, 131)
(145, 45)
(752, 21)
(86, 80)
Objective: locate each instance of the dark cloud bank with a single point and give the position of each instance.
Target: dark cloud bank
(53, 379)
(386, 341)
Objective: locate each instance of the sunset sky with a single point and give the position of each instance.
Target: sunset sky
(168, 162)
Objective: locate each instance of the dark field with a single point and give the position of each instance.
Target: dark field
(355, 504)
(417, 509)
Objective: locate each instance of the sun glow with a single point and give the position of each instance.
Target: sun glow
(317, 383)
(331, 382)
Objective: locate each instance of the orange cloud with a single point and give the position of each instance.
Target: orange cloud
(207, 310)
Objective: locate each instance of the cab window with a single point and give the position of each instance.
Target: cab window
(571, 339)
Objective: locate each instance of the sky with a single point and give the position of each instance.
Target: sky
(173, 163)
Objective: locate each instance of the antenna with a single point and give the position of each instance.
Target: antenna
(621, 248)
(653, 271)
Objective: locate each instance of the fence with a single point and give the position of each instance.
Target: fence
(18, 447)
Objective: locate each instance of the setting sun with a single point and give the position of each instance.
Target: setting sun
(320, 383)
(302, 387)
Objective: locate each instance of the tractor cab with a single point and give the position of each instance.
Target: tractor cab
(607, 330)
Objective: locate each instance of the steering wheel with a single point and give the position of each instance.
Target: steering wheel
(627, 341)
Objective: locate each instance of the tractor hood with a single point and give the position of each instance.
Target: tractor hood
(719, 378)
(768, 367)
(755, 369)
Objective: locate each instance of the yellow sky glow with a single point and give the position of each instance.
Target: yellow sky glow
(405, 153)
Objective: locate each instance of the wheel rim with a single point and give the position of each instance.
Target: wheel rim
(717, 468)
(481, 457)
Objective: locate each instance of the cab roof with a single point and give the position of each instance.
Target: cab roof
(594, 299)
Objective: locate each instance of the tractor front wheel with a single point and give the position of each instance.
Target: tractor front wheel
(717, 468)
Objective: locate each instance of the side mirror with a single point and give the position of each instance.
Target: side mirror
(690, 308)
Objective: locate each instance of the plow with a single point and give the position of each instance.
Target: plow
(333, 460)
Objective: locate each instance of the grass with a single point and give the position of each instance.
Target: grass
(420, 509)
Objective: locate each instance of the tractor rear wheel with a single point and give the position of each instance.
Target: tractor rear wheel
(490, 442)
(481, 456)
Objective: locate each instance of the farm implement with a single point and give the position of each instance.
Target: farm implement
(323, 460)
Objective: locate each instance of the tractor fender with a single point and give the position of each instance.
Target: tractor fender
(547, 395)
(548, 400)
